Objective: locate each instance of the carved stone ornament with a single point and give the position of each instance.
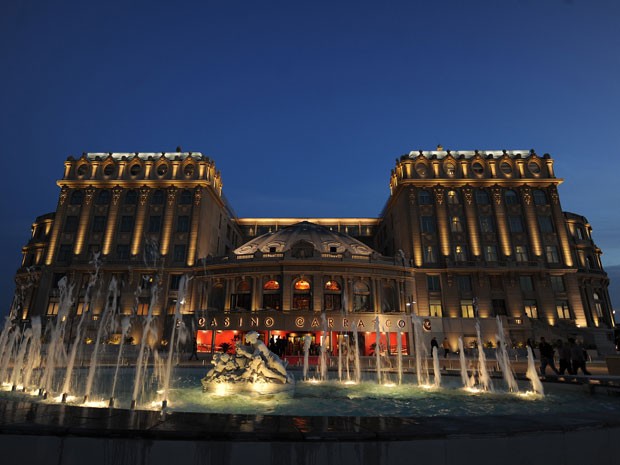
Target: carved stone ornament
(197, 195)
(468, 193)
(497, 195)
(439, 193)
(62, 198)
(412, 197)
(116, 195)
(527, 195)
(554, 195)
(144, 194)
(90, 193)
(172, 195)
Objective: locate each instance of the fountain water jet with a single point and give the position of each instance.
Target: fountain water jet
(468, 382)
(483, 374)
(504, 360)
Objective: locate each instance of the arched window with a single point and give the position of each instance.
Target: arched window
(425, 197)
(332, 297)
(388, 299)
(131, 198)
(104, 197)
(77, 197)
(540, 198)
(453, 197)
(511, 197)
(186, 197)
(242, 299)
(302, 249)
(216, 297)
(482, 197)
(361, 297)
(272, 299)
(302, 295)
(158, 197)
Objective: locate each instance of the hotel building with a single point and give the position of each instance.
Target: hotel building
(464, 236)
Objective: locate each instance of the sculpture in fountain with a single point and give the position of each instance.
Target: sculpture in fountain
(252, 368)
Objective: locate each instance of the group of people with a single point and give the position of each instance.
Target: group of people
(571, 355)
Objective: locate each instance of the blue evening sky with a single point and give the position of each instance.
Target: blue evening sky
(304, 105)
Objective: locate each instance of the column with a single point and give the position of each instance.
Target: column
(560, 224)
(473, 227)
(443, 230)
(110, 228)
(532, 221)
(60, 213)
(168, 219)
(502, 225)
(138, 230)
(193, 232)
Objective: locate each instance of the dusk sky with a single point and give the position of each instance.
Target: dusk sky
(304, 105)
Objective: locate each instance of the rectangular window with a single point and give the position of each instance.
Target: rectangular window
(515, 224)
(71, 224)
(521, 253)
(99, 224)
(122, 251)
(175, 279)
(563, 310)
(435, 309)
(427, 224)
(531, 309)
(433, 283)
(551, 252)
(126, 224)
(65, 251)
(464, 283)
(490, 253)
(486, 224)
(154, 224)
(499, 307)
(81, 308)
(557, 283)
(527, 284)
(179, 253)
(429, 254)
(183, 224)
(52, 307)
(545, 224)
(460, 254)
(143, 306)
(456, 224)
(467, 308)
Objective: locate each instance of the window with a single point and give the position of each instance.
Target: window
(108, 170)
(526, 283)
(557, 283)
(427, 224)
(433, 283)
(71, 223)
(135, 169)
(361, 297)
(179, 253)
(531, 309)
(515, 224)
(467, 308)
(243, 298)
(122, 251)
(131, 197)
(486, 224)
(456, 224)
(425, 197)
(563, 310)
(158, 197)
(143, 306)
(482, 197)
(162, 170)
(189, 170)
(99, 223)
(499, 307)
(302, 297)
(453, 198)
(540, 198)
(490, 253)
(147, 281)
(545, 224)
(175, 280)
(271, 295)
(551, 252)
(331, 297)
(186, 197)
(533, 167)
(126, 224)
(302, 285)
(435, 309)
(598, 304)
(77, 197)
(460, 254)
(511, 197)
(450, 169)
(52, 307)
(421, 169)
(183, 224)
(477, 168)
(429, 254)
(464, 283)
(65, 251)
(505, 167)
(82, 169)
(103, 198)
(521, 253)
(154, 224)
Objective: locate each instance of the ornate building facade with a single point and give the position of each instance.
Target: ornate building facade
(465, 237)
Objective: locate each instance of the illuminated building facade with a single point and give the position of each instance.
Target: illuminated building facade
(465, 236)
